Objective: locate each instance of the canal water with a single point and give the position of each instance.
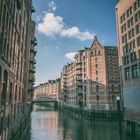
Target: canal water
(48, 124)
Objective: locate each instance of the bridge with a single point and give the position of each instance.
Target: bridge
(44, 98)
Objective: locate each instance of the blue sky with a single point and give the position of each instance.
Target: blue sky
(65, 26)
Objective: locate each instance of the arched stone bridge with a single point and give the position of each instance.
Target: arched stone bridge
(43, 98)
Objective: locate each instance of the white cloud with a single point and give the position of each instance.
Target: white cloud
(52, 6)
(75, 32)
(70, 55)
(52, 25)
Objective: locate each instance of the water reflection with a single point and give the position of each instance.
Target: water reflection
(53, 125)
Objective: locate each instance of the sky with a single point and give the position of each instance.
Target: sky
(66, 26)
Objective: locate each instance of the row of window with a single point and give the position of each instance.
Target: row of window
(132, 31)
(129, 24)
(112, 88)
(130, 46)
(130, 10)
(4, 85)
(132, 72)
(131, 34)
(112, 52)
(95, 53)
(9, 41)
(130, 58)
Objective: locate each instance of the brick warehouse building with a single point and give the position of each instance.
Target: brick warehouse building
(16, 46)
(128, 27)
(93, 80)
(51, 89)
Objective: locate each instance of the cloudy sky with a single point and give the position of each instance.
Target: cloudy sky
(65, 26)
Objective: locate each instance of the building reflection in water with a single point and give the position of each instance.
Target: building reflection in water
(54, 125)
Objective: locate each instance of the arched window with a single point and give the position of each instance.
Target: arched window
(11, 92)
(4, 87)
(97, 97)
(0, 81)
(0, 78)
(15, 93)
(97, 88)
(19, 94)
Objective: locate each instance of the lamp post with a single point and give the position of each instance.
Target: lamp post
(119, 114)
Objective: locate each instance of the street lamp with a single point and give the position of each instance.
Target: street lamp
(119, 114)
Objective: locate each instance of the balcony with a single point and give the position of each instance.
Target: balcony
(78, 63)
(34, 41)
(64, 78)
(79, 83)
(79, 78)
(65, 88)
(80, 98)
(33, 50)
(31, 78)
(65, 98)
(32, 60)
(65, 93)
(32, 9)
(79, 67)
(79, 91)
(79, 73)
(32, 70)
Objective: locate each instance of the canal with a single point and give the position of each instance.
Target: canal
(48, 124)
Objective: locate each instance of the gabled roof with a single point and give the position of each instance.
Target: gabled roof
(95, 41)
